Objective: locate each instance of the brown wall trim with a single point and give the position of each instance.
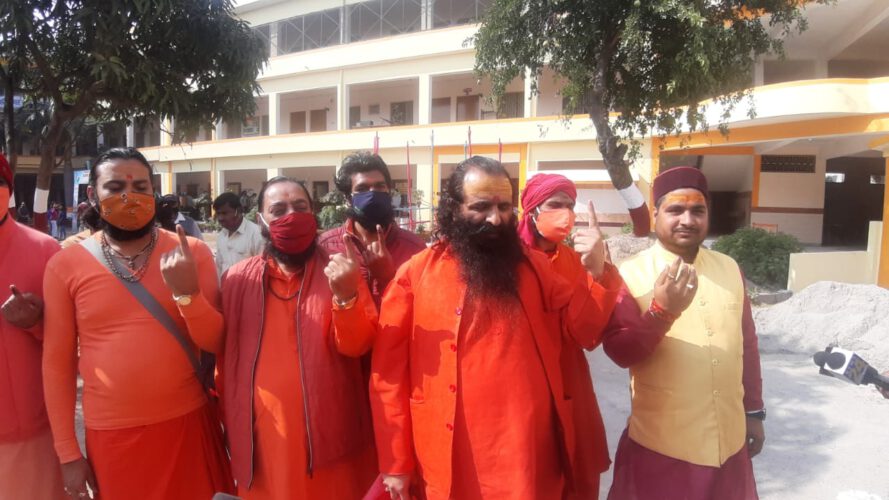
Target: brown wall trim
(787, 210)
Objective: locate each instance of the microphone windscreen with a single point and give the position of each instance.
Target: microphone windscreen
(836, 360)
(820, 358)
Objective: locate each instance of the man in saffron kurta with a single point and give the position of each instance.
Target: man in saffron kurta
(150, 433)
(697, 410)
(548, 202)
(28, 468)
(466, 385)
(293, 394)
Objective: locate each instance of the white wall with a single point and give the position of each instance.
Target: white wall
(307, 102)
(729, 173)
(249, 179)
(385, 95)
(453, 86)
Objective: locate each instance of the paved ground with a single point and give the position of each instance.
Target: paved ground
(824, 439)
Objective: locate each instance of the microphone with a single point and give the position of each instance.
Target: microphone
(846, 365)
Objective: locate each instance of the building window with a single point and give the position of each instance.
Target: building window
(834, 178)
(456, 12)
(796, 164)
(583, 106)
(878, 179)
(379, 18)
(512, 105)
(309, 31)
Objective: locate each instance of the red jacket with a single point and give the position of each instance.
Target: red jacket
(24, 253)
(337, 413)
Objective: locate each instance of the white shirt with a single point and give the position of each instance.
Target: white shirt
(232, 248)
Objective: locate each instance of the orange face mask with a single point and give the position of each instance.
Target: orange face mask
(555, 225)
(4, 201)
(128, 211)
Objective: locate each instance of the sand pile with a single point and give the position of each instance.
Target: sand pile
(854, 316)
(624, 246)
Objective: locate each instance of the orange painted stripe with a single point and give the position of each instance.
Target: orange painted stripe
(757, 170)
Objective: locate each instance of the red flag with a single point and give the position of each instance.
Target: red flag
(376, 143)
(410, 204)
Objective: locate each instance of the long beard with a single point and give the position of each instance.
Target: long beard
(118, 234)
(488, 255)
(288, 259)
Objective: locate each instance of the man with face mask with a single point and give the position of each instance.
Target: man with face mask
(294, 398)
(365, 182)
(466, 383)
(28, 468)
(113, 304)
(546, 225)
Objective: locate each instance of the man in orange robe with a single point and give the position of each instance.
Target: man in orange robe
(150, 432)
(293, 393)
(467, 388)
(28, 468)
(548, 202)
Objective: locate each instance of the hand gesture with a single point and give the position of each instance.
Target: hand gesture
(378, 259)
(398, 486)
(22, 310)
(77, 475)
(675, 287)
(343, 272)
(588, 242)
(179, 269)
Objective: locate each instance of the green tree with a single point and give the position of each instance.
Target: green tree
(654, 62)
(189, 60)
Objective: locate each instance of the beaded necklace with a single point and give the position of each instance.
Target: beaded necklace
(135, 274)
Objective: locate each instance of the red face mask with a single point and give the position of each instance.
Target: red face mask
(555, 225)
(128, 211)
(293, 233)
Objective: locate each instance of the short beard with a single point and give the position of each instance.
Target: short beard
(489, 256)
(118, 234)
(353, 214)
(292, 260)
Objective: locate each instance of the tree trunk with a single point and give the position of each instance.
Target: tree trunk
(614, 155)
(50, 144)
(9, 132)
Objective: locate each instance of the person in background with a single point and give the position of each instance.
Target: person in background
(88, 222)
(697, 411)
(238, 239)
(169, 216)
(63, 221)
(28, 467)
(53, 217)
(365, 181)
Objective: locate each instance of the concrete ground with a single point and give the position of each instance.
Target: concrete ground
(825, 439)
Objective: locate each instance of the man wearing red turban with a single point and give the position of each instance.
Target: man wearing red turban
(548, 219)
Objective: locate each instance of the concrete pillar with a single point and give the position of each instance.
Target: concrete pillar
(342, 106)
(759, 71)
(218, 132)
(166, 132)
(166, 183)
(218, 176)
(131, 135)
(425, 98)
(274, 113)
(530, 100)
(272, 173)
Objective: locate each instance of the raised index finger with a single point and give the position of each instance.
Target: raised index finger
(183, 241)
(381, 237)
(594, 220)
(349, 247)
(15, 291)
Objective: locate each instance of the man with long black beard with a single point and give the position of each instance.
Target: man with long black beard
(294, 398)
(466, 387)
(129, 308)
(365, 181)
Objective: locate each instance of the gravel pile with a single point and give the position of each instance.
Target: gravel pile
(854, 316)
(624, 246)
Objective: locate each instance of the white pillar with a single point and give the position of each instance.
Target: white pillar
(342, 106)
(131, 135)
(220, 183)
(166, 181)
(166, 132)
(530, 100)
(218, 133)
(759, 73)
(271, 173)
(274, 112)
(425, 98)
(273, 39)
(820, 68)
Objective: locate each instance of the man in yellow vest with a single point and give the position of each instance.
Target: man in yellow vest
(697, 409)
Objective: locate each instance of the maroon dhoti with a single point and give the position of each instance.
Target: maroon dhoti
(643, 474)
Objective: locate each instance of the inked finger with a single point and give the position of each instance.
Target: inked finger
(183, 241)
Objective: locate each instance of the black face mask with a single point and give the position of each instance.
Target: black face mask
(372, 208)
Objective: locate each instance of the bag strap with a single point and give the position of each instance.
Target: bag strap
(150, 304)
